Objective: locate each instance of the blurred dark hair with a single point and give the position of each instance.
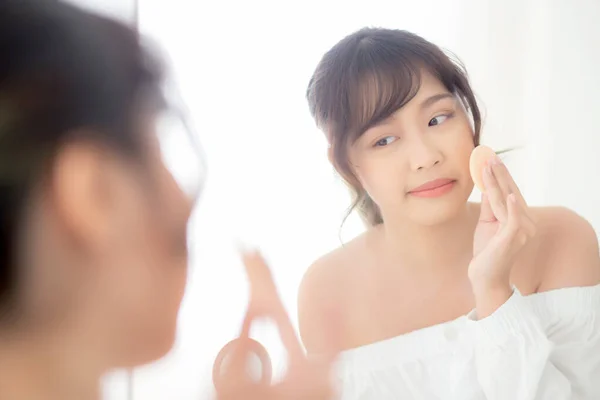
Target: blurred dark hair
(364, 79)
(64, 73)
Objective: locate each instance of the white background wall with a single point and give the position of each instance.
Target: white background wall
(243, 68)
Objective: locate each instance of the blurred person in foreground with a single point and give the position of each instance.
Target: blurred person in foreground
(93, 218)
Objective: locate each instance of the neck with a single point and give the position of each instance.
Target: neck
(433, 247)
(43, 367)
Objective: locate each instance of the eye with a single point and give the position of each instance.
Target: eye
(385, 141)
(440, 119)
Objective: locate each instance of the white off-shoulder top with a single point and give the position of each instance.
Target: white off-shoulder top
(541, 346)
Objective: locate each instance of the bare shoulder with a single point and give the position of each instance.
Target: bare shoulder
(568, 249)
(323, 290)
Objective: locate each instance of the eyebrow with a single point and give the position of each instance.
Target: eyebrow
(428, 102)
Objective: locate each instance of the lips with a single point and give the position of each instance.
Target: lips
(437, 183)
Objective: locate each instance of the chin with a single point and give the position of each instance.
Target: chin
(162, 346)
(149, 348)
(436, 211)
(433, 217)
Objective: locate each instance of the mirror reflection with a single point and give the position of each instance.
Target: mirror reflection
(317, 201)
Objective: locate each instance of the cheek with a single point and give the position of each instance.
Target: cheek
(459, 145)
(166, 258)
(165, 241)
(153, 268)
(382, 178)
(157, 279)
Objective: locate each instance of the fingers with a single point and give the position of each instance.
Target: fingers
(499, 185)
(505, 181)
(526, 222)
(247, 323)
(486, 214)
(304, 375)
(258, 273)
(290, 339)
(508, 186)
(494, 195)
(311, 374)
(231, 372)
(518, 229)
(264, 292)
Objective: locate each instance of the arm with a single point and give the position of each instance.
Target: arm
(515, 359)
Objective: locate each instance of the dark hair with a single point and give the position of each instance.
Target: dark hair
(364, 79)
(64, 73)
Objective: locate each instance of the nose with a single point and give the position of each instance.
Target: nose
(424, 155)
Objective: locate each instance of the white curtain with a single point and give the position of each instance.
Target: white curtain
(243, 68)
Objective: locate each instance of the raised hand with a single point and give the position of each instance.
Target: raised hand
(306, 378)
(505, 227)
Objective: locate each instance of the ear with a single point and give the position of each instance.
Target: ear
(80, 193)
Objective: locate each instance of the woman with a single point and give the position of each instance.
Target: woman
(442, 298)
(93, 252)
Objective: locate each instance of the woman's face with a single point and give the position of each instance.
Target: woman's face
(427, 142)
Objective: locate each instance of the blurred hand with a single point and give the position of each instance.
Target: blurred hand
(306, 378)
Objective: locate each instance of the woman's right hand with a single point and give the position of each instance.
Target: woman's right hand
(306, 377)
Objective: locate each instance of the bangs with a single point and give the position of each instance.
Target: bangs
(370, 75)
(379, 88)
